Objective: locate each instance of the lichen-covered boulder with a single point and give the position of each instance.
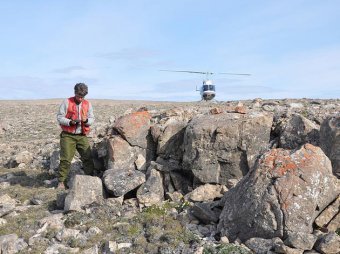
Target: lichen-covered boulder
(134, 128)
(224, 146)
(284, 193)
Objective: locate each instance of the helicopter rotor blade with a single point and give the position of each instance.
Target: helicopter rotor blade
(229, 73)
(199, 72)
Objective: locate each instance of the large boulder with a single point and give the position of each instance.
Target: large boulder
(85, 190)
(330, 141)
(296, 130)
(224, 146)
(134, 128)
(284, 193)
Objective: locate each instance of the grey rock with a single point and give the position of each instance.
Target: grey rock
(115, 202)
(207, 192)
(175, 196)
(151, 192)
(204, 213)
(300, 240)
(93, 231)
(296, 130)
(140, 162)
(92, 250)
(181, 182)
(170, 140)
(168, 185)
(261, 245)
(60, 201)
(334, 224)
(281, 248)
(4, 185)
(7, 204)
(54, 160)
(328, 244)
(25, 157)
(67, 233)
(8, 244)
(54, 221)
(328, 214)
(167, 165)
(60, 248)
(37, 239)
(121, 154)
(330, 141)
(285, 192)
(224, 146)
(84, 191)
(2, 221)
(113, 246)
(120, 182)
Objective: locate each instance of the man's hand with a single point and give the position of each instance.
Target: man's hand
(74, 122)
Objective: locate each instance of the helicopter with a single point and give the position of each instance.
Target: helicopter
(207, 90)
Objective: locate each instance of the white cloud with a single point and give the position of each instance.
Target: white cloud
(69, 69)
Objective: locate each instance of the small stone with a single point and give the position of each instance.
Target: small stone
(215, 111)
(2, 221)
(224, 239)
(4, 185)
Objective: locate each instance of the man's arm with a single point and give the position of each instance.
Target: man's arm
(62, 120)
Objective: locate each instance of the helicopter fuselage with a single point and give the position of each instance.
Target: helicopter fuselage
(207, 90)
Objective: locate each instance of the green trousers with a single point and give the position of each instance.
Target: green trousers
(69, 143)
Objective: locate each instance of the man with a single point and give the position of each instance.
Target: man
(75, 117)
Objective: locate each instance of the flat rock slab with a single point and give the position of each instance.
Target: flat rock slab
(120, 182)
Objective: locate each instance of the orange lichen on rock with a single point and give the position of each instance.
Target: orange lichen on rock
(138, 119)
(133, 121)
(279, 162)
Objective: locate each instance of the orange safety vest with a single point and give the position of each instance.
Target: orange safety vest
(72, 113)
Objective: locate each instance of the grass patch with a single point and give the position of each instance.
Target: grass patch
(227, 248)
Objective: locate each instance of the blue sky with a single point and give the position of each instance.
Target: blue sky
(291, 48)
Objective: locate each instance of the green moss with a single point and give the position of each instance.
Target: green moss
(134, 229)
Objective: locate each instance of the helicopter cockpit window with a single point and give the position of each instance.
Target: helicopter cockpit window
(208, 88)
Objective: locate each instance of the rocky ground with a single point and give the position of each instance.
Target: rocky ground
(187, 210)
